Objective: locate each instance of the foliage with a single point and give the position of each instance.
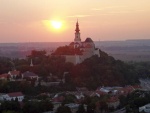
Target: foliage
(142, 68)
(67, 50)
(91, 108)
(69, 99)
(92, 73)
(10, 106)
(96, 103)
(81, 109)
(5, 65)
(8, 111)
(95, 71)
(135, 100)
(37, 107)
(63, 109)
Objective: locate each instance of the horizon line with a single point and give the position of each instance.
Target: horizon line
(70, 41)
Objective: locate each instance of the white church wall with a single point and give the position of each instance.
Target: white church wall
(96, 52)
(75, 59)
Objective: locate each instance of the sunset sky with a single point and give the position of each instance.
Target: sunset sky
(30, 20)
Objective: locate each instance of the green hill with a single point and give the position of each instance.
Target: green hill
(103, 71)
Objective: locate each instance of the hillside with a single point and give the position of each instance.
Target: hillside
(92, 73)
(101, 71)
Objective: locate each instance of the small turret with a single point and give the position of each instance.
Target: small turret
(31, 63)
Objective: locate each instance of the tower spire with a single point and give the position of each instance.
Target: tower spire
(77, 27)
(77, 33)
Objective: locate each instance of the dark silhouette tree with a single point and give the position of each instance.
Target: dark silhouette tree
(63, 109)
(81, 109)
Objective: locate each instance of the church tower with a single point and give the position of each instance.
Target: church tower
(77, 34)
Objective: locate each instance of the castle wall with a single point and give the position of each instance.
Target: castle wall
(75, 59)
(96, 52)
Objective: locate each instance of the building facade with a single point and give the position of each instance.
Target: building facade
(12, 96)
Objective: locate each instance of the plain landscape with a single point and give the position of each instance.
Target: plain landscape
(129, 50)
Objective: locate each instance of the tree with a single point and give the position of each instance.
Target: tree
(81, 109)
(63, 109)
(46, 105)
(67, 50)
(8, 111)
(123, 100)
(37, 107)
(91, 108)
(31, 107)
(69, 99)
(11, 106)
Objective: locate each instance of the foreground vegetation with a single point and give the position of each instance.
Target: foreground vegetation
(92, 73)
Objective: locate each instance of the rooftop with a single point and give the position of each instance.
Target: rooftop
(15, 94)
(14, 72)
(28, 74)
(88, 40)
(4, 75)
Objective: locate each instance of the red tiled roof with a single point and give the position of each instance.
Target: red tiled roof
(58, 99)
(15, 72)
(128, 89)
(15, 94)
(137, 87)
(4, 75)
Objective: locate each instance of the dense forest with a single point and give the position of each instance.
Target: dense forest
(92, 73)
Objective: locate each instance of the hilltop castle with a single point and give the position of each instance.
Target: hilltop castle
(87, 47)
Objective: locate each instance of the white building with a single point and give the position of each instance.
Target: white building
(14, 73)
(145, 84)
(145, 108)
(30, 75)
(12, 96)
(113, 102)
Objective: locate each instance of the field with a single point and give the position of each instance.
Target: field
(130, 50)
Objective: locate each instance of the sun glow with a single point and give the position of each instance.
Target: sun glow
(56, 24)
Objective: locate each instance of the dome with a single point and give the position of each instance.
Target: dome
(88, 40)
(72, 43)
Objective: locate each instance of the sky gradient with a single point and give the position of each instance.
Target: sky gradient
(27, 20)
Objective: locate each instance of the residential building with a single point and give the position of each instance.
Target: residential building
(113, 102)
(30, 75)
(4, 76)
(145, 108)
(12, 96)
(14, 74)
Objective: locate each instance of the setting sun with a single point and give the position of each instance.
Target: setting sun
(56, 24)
